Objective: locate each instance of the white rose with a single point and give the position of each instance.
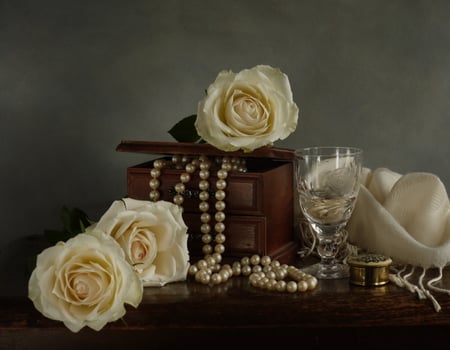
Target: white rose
(84, 282)
(247, 110)
(153, 236)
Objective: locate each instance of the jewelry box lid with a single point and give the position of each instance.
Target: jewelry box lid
(187, 148)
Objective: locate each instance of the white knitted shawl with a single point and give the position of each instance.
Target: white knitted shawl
(405, 217)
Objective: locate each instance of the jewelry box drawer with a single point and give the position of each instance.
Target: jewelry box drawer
(245, 234)
(251, 193)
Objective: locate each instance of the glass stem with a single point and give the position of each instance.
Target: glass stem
(329, 245)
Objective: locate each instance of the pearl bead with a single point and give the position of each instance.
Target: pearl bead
(176, 158)
(179, 187)
(220, 238)
(271, 275)
(207, 249)
(204, 165)
(220, 195)
(202, 276)
(153, 184)
(202, 264)
(312, 282)
(245, 260)
(229, 269)
(178, 199)
(280, 286)
(220, 205)
(226, 267)
(190, 168)
(302, 286)
(246, 270)
(227, 166)
(193, 269)
(255, 259)
(203, 195)
(203, 174)
(203, 185)
(291, 286)
(219, 216)
(280, 273)
(154, 196)
(272, 283)
(217, 257)
(210, 260)
(225, 274)
(265, 260)
(221, 184)
(205, 278)
(275, 263)
(185, 178)
(236, 270)
(256, 268)
(203, 206)
(155, 173)
(216, 278)
(158, 164)
(205, 218)
(267, 269)
(206, 238)
(254, 282)
(261, 282)
(205, 228)
(219, 227)
(219, 248)
(222, 174)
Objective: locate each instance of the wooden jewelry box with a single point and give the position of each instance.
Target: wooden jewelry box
(259, 202)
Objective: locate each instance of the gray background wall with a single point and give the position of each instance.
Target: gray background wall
(76, 77)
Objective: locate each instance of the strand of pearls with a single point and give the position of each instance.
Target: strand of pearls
(209, 269)
(263, 272)
(272, 275)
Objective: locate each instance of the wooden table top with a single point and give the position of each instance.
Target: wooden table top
(188, 312)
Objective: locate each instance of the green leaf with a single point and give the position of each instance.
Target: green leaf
(185, 131)
(74, 220)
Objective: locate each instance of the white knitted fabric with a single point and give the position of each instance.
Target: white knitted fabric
(405, 217)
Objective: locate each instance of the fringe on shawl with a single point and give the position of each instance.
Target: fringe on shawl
(400, 275)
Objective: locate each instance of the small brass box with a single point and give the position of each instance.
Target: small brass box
(369, 269)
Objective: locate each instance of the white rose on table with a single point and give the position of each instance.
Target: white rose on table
(153, 236)
(247, 110)
(85, 281)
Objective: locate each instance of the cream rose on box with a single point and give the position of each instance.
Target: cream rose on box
(247, 110)
(153, 236)
(85, 281)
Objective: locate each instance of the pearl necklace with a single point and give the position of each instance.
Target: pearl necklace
(263, 272)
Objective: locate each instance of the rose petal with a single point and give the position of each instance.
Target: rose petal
(84, 282)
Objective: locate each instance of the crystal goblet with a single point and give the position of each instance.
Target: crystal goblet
(328, 180)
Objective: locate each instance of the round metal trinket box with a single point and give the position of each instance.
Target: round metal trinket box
(369, 269)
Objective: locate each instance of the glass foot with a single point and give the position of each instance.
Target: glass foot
(322, 271)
